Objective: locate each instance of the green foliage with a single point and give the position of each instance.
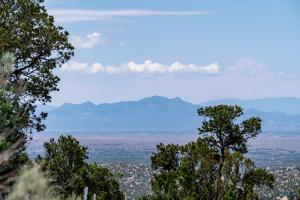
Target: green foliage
(64, 163)
(190, 178)
(214, 166)
(101, 182)
(166, 159)
(39, 46)
(258, 177)
(35, 46)
(221, 130)
(29, 32)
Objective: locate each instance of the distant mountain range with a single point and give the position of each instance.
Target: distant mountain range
(289, 105)
(163, 114)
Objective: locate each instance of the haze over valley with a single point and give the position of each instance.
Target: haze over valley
(160, 114)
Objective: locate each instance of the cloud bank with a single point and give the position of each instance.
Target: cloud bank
(244, 68)
(73, 15)
(246, 78)
(148, 67)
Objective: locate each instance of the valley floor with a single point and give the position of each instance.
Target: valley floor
(128, 156)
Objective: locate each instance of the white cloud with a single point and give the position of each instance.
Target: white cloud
(249, 67)
(74, 66)
(99, 68)
(157, 68)
(89, 41)
(72, 15)
(148, 67)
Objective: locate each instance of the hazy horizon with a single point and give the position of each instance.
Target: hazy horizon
(195, 103)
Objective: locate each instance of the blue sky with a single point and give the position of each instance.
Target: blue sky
(194, 49)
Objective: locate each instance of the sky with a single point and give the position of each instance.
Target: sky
(197, 50)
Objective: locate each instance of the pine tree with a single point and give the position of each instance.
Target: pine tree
(38, 46)
(65, 164)
(213, 167)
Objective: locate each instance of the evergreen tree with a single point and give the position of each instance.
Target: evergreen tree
(213, 167)
(38, 46)
(101, 182)
(64, 163)
(220, 130)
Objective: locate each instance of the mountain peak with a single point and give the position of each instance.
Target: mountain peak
(177, 99)
(161, 98)
(88, 103)
(155, 98)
